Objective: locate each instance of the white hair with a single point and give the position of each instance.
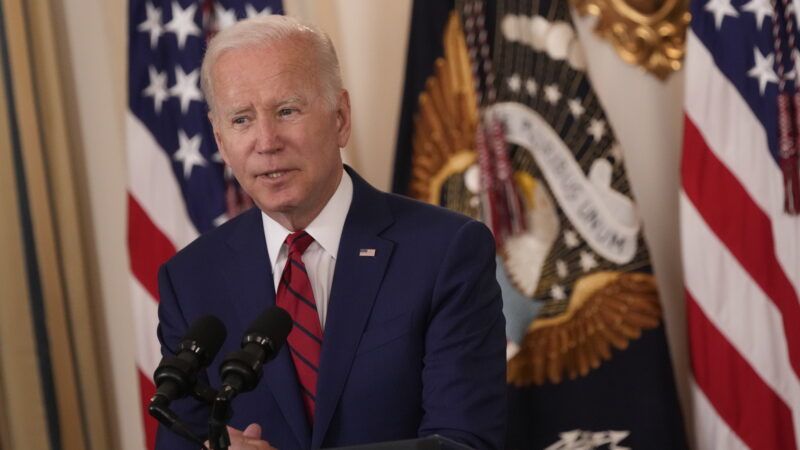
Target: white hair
(270, 30)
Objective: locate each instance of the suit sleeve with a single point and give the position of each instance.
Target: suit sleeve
(464, 375)
(172, 325)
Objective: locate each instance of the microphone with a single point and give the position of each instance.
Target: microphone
(176, 376)
(241, 370)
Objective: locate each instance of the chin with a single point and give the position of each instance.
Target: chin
(268, 204)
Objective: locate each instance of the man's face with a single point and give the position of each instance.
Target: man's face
(275, 130)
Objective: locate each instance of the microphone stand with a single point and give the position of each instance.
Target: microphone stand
(221, 413)
(160, 410)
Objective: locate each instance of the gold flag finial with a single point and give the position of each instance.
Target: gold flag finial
(648, 33)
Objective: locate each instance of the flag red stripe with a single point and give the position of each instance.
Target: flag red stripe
(752, 410)
(146, 390)
(148, 247)
(742, 227)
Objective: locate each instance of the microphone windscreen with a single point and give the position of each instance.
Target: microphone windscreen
(205, 336)
(274, 324)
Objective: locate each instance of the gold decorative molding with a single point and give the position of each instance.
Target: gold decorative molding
(648, 33)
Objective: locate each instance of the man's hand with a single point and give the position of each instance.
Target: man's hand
(249, 439)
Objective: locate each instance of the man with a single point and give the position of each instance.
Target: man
(398, 332)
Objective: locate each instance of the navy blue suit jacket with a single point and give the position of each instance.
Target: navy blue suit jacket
(414, 341)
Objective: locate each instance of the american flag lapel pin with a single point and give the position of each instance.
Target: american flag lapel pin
(366, 252)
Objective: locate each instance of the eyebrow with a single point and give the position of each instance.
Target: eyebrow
(238, 110)
(295, 99)
(292, 99)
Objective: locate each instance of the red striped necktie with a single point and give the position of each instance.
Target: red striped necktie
(305, 340)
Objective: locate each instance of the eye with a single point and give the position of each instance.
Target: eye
(286, 112)
(239, 120)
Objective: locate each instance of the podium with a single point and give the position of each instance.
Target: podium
(434, 442)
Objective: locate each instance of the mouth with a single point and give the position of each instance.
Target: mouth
(275, 174)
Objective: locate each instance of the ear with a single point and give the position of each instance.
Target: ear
(343, 118)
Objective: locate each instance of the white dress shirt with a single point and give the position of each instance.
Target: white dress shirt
(320, 257)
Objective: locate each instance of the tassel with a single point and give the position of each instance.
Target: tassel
(514, 220)
(788, 145)
(489, 201)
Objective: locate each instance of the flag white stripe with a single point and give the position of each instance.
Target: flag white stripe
(739, 141)
(145, 320)
(737, 307)
(711, 432)
(152, 183)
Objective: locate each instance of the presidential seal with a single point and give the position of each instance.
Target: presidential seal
(521, 142)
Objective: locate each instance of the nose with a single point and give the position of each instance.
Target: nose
(268, 138)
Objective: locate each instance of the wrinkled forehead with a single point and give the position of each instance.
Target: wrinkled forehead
(280, 53)
(265, 72)
(296, 49)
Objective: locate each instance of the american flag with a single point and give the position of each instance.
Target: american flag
(741, 248)
(177, 186)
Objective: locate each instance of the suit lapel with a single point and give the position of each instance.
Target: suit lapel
(251, 277)
(356, 281)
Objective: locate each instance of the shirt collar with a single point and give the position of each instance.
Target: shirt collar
(326, 228)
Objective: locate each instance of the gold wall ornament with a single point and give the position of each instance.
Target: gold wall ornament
(445, 123)
(648, 33)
